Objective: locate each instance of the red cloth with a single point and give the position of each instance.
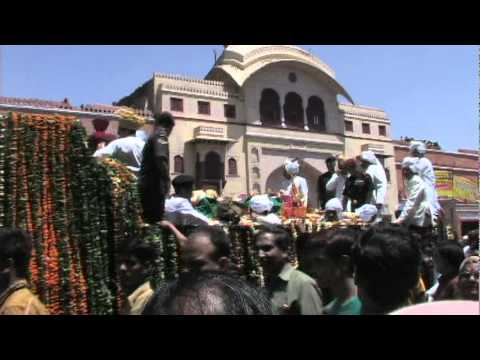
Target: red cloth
(100, 125)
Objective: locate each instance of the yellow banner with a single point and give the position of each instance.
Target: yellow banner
(464, 189)
(444, 184)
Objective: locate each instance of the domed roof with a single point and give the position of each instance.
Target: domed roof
(240, 62)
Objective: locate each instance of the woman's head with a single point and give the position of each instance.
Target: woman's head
(468, 278)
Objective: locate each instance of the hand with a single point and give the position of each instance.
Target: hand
(165, 224)
(397, 222)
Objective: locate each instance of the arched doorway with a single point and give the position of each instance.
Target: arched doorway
(316, 114)
(270, 108)
(293, 110)
(213, 172)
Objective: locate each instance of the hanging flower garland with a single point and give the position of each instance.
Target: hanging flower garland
(3, 145)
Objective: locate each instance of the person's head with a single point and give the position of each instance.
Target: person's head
(209, 293)
(351, 166)
(165, 120)
(291, 168)
(130, 121)
(473, 240)
(448, 257)
(207, 249)
(272, 244)
(367, 159)
(468, 278)
(328, 256)
(15, 253)
(261, 205)
(333, 210)
(330, 162)
(387, 262)
(368, 213)
(409, 167)
(136, 259)
(341, 163)
(417, 149)
(183, 186)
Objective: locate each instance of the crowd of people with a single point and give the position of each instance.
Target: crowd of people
(340, 271)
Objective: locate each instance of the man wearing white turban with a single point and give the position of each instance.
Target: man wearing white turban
(416, 210)
(295, 186)
(261, 207)
(427, 173)
(374, 168)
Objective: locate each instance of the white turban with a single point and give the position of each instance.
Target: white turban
(418, 146)
(411, 163)
(367, 212)
(369, 156)
(261, 204)
(334, 205)
(292, 167)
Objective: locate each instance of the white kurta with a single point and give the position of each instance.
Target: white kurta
(427, 173)
(183, 206)
(127, 150)
(417, 209)
(302, 186)
(380, 183)
(336, 184)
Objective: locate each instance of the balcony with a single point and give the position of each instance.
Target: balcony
(211, 134)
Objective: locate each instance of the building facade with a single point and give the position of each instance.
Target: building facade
(258, 106)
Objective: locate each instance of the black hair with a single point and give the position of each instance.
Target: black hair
(330, 159)
(183, 182)
(165, 120)
(218, 237)
(451, 252)
(473, 239)
(334, 243)
(209, 293)
(16, 244)
(143, 251)
(281, 238)
(387, 261)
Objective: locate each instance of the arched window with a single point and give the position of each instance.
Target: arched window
(256, 188)
(232, 167)
(256, 173)
(293, 110)
(316, 114)
(270, 108)
(178, 164)
(255, 155)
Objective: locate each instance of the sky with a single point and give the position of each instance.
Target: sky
(428, 92)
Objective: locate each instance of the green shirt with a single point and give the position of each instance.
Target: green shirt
(353, 306)
(295, 293)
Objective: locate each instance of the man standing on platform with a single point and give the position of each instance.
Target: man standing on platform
(323, 194)
(154, 179)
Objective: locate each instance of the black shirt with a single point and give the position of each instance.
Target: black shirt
(358, 189)
(323, 195)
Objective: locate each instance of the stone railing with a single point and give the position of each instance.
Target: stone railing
(209, 131)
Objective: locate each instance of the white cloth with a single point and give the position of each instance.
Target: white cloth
(416, 210)
(142, 134)
(127, 150)
(418, 146)
(261, 204)
(183, 206)
(334, 205)
(427, 173)
(271, 219)
(301, 185)
(410, 163)
(336, 184)
(367, 212)
(379, 178)
(292, 167)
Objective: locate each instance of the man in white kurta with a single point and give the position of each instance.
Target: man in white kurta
(336, 184)
(416, 210)
(374, 168)
(294, 182)
(427, 173)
